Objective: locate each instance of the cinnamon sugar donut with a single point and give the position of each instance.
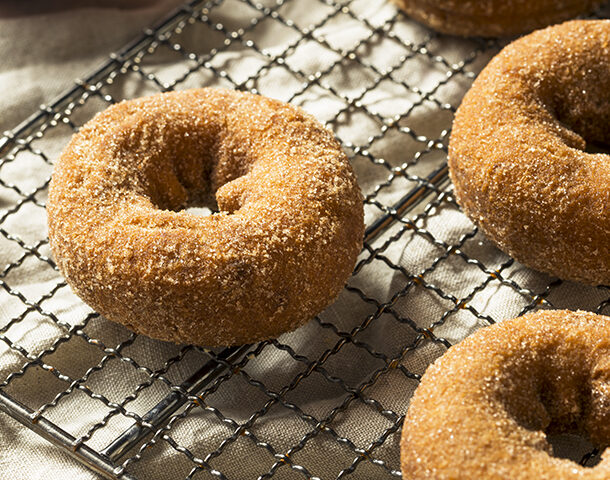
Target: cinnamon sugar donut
(517, 153)
(279, 250)
(493, 18)
(482, 410)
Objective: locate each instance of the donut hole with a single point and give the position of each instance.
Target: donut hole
(580, 100)
(596, 147)
(178, 197)
(182, 166)
(196, 182)
(574, 447)
(573, 89)
(559, 399)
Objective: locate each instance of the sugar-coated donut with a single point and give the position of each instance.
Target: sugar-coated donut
(284, 241)
(493, 18)
(482, 410)
(517, 151)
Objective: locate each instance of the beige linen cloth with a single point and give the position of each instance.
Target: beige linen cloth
(44, 48)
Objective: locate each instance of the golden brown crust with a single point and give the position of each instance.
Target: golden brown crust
(493, 18)
(482, 409)
(287, 236)
(517, 158)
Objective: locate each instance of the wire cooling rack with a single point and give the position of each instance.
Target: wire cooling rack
(328, 400)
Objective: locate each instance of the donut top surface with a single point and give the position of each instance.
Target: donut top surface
(483, 409)
(281, 246)
(519, 151)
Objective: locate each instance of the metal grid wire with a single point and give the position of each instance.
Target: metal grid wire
(341, 384)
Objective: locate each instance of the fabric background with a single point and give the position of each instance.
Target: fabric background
(47, 45)
(44, 46)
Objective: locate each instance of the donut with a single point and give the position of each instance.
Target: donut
(521, 152)
(484, 409)
(493, 18)
(283, 239)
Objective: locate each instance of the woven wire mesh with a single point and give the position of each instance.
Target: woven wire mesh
(418, 286)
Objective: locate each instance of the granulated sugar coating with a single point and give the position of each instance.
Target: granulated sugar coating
(517, 152)
(493, 18)
(285, 240)
(482, 411)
